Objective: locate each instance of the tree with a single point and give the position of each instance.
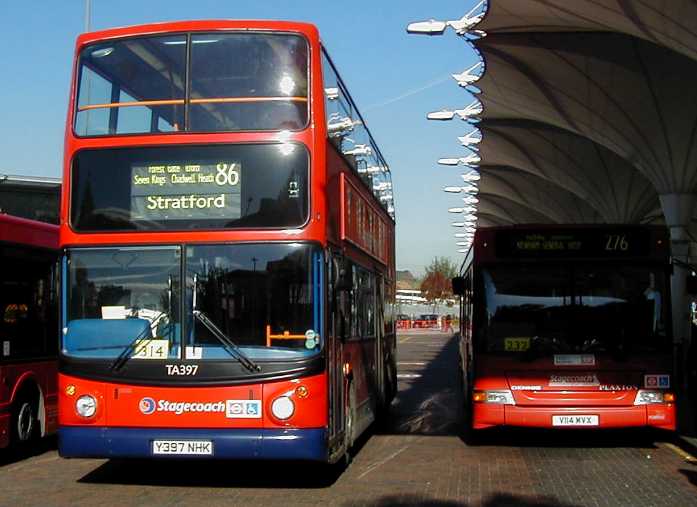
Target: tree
(436, 284)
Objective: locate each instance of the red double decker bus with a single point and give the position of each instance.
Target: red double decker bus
(567, 327)
(228, 277)
(28, 326)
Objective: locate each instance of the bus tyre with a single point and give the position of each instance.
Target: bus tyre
(25, 424)
(349, 424)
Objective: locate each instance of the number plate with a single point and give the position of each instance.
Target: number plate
(575, 420)
(183, 447)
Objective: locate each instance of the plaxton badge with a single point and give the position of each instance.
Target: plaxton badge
(617, 387)
(233, 409)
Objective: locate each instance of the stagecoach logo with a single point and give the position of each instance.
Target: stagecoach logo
(147, 406)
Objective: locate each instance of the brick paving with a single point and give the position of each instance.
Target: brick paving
(418, 459)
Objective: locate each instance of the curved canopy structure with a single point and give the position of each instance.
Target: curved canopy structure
(589, 114)
(668, 23)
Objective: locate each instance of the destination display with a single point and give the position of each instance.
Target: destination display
(185, 191)
(625, 242)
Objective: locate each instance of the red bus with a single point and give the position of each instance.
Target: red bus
(28, 330)
(228, 278)
(567, 327)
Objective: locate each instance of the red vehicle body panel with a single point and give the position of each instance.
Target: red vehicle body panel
(119, 405)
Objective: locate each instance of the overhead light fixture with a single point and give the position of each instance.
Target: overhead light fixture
(472, 139)
(471, 177)
(461, 26)
(468, 112)
(469, 76)
(359, 150)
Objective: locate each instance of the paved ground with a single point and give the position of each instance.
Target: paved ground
(417, 459)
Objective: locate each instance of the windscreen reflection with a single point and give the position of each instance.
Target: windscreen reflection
(262, 297)
(560, 309)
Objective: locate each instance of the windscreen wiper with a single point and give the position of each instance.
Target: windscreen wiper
(229, 346)
(227, 343)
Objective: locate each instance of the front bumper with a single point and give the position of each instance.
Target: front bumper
(103, 442)
(656, 416)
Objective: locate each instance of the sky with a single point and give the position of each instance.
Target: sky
(395, 79)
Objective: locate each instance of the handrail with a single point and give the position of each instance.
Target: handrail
(170, 102)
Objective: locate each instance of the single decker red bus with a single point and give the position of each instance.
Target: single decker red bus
(28, 328)
(567, 327)
(228, 234)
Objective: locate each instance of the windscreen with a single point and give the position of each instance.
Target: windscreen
(119, 296)
(261, 296)
(236, 82)
(190, 187)
(562, 308)
(131, 300)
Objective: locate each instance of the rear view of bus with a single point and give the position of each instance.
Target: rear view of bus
(567, 328)
(196, 232)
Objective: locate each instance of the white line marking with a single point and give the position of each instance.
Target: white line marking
(412, 364)
(383, 461)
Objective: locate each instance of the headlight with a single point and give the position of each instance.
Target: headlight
(86, 405)
(282, 407)
(502, 397)
(646, 397)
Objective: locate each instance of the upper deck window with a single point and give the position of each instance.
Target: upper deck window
(236, 82)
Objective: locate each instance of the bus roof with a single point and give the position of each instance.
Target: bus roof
(195, 26)
(28, 232)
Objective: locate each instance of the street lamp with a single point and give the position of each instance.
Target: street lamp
(471, 177)
(467, 113)
(461, 26)
(359, 150)
(467, 76)
(470, 189)
(471, 159)
(472, 139)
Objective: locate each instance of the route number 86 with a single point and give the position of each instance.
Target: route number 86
(227, 174)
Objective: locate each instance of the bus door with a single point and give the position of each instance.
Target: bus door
(380, 342)
(337, 328)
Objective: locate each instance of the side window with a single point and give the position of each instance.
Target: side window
(355, 296)
(28, 319)
(351, 137)
(340, 116)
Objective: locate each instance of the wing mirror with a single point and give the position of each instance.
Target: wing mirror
(458, 286)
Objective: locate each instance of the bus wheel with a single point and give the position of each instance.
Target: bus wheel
(25, 424)
(349, 423)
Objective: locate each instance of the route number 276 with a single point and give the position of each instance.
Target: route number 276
(616, 242)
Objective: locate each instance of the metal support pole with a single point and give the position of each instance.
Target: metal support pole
(678, 210)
